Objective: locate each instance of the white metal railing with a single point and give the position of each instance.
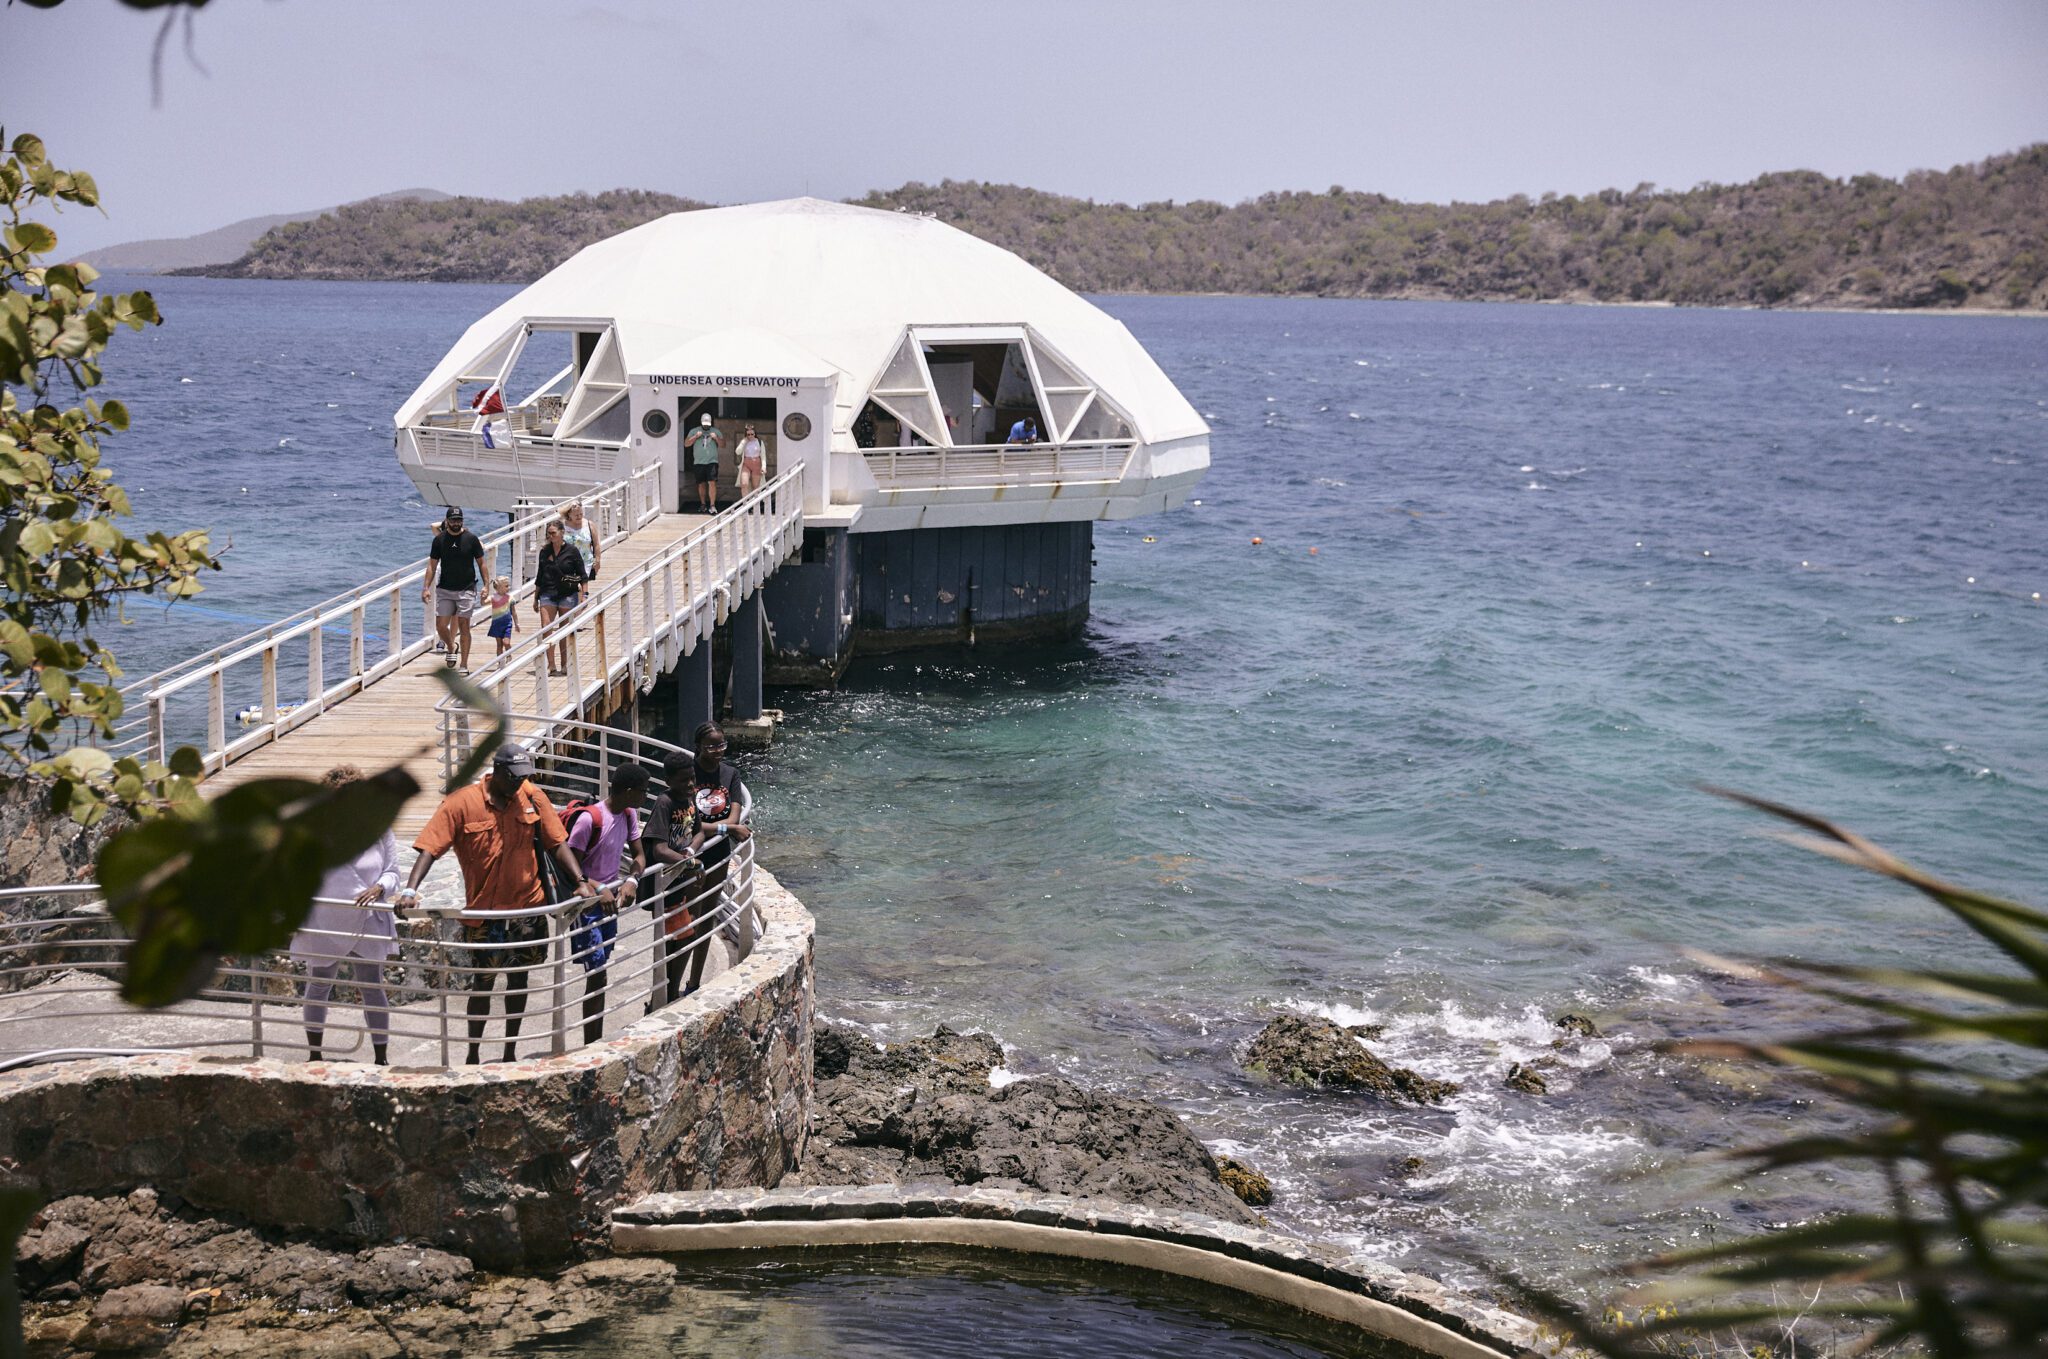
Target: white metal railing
(521, 451)
(206, 699)
(989, 465)
(59, 973)
(642, 622)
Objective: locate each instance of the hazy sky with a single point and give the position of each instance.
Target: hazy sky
(305, 103)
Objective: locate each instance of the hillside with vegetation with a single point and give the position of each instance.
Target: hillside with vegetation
(1975, 235)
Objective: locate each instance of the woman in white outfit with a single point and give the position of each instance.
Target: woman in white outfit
(359, 937)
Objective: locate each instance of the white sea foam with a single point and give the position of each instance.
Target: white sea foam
(1000, 1076)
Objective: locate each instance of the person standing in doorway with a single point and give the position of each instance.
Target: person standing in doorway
(753, 463)
(706, 447)
(498, 828)
(457, 555)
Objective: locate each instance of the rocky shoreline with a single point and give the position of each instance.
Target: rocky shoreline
(146, 1273)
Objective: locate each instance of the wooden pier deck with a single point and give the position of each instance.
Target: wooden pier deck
(393, 719)
(668, 580)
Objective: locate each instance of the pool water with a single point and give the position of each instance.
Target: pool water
(928, 1304)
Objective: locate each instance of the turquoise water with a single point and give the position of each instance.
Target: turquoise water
(1438, 774)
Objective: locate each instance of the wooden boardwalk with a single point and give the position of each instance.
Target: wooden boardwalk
(393, 720)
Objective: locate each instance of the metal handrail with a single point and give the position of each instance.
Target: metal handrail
(58, 968)
(643, 622)
(980, 466)
(618, 509)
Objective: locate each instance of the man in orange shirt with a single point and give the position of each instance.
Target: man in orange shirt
(497, 828)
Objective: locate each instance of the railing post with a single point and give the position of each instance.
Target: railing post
(255, 1016)
(316, 664)
(156, 729)
(355, 642)
(216, 714)
(394, 635)
(604, 762)
(560, 948)
(270, 685)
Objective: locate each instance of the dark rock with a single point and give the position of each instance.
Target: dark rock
(925, 1110)
(1577, 1025)
(831, 1051)
(134, 1318)
(1526, 1078)
(1306, 1050)
(1371, 1033)
(1408, 1167)
(409, 1274)
(1241, 1180)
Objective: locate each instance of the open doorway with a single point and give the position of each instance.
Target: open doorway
(730, 416)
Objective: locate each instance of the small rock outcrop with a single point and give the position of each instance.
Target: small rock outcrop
(927, 1110)
(1241, 1180)
(1578, 1026)
(1307, 1050)
(1526, 1077)
(133, 1274)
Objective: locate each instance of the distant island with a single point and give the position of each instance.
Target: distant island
(222, 245)
(1972, 236)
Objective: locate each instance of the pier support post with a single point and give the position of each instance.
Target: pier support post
(752, 727)
(746, 659)
(693, 690)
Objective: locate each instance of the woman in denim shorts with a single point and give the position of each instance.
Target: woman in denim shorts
(558, 579)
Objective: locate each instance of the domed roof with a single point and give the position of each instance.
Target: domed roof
(837, 283)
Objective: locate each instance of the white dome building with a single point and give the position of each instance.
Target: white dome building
(905, 364)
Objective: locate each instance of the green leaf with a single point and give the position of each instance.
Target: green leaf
(187, 763)
(34, 237)
(84, 763)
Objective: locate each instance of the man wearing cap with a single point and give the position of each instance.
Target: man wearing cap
(498, 827)
(706, 446)
(459, 555)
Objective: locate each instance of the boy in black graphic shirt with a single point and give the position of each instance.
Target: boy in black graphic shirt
(704, 797)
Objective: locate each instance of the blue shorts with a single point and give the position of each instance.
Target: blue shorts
(501, 627)
(563, 602)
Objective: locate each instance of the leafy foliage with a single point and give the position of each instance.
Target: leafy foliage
(1949, 1065)
(65, 561)
(1974, 235)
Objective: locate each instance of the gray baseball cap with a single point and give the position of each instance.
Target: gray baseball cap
(514, 760)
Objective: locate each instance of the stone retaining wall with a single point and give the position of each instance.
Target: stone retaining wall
(1349, 1287)
(512, 1165)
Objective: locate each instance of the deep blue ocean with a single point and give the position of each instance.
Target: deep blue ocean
(1425, 756)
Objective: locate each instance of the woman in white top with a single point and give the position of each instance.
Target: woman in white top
(576, 531)
(359, 936)
(753, 463)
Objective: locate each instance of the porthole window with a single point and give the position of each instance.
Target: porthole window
(796, 425)
(655, 422)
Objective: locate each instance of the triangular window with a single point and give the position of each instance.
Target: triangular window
(905, 391)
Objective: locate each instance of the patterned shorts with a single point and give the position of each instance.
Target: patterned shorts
(492, 946)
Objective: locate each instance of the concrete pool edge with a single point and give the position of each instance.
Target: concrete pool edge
(1349, 1288)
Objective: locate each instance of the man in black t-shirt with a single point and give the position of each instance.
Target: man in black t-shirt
(459, 555)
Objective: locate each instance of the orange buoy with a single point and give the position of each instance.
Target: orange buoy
(1257, 541)
(1312, 552)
